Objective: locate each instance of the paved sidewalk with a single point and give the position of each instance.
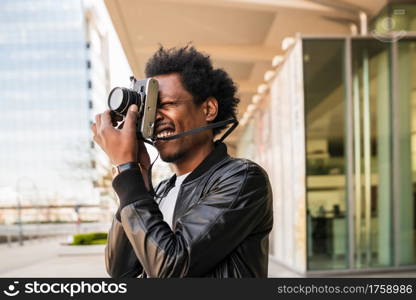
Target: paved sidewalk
(278, 271)
(52, 259)
(49, 258)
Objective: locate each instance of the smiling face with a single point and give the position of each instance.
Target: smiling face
(178, 113)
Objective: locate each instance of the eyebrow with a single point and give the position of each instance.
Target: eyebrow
(168, 96)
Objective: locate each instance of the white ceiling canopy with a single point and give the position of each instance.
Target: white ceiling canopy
(241, 36)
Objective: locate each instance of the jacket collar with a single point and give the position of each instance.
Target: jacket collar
(217, 155)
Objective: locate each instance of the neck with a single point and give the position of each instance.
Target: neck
(188, 164)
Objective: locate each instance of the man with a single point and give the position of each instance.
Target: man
(213, 217)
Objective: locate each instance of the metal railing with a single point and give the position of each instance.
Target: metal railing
(10, 233)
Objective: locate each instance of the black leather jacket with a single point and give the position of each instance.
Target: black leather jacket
(222, 220)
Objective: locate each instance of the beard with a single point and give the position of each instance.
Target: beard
(183, 149)
(173, 151)
(172, 157)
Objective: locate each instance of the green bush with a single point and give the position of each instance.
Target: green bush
(94, 238)
(99, 242)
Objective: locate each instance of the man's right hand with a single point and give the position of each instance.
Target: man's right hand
(144, 160)
(142, 155)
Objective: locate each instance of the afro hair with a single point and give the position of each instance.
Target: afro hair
(198, 77)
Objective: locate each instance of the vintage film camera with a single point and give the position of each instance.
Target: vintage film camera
(143, 93)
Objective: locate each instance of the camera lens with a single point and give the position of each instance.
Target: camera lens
(115, 100)
(120, 99)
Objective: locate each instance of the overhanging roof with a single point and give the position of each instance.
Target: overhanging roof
(242, 36)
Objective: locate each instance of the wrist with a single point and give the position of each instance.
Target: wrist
(122, 158)
(117, 169)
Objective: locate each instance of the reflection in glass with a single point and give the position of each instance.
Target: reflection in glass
(395, 17)
(325, 147)
(407, 107)
(372, 153)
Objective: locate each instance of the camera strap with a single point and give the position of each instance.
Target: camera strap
(199, 129)
(189, 132)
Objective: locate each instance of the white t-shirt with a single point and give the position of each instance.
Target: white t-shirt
(167, 204)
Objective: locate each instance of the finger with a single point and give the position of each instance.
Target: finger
(98, 121)
(95, 135)
(94, 128)
(106, 118)
(96, 139)
(131, 117)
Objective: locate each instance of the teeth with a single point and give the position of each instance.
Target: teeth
(164, 134)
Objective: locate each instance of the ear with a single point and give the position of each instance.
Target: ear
(210, 109)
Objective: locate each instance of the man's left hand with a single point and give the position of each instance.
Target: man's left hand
(119, 144)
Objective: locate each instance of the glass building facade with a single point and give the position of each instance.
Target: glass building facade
(351, 123)
(360, 150)
(349, 153)
(46, 98)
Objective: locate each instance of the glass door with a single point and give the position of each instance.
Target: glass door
(324, 89)
(372, 153)
(406, 149)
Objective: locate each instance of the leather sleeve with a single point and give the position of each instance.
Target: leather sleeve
(231, 209)
(120, 259)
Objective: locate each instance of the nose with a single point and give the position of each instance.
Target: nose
(159, 116)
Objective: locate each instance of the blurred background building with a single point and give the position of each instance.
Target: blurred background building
(54, 76)
(59, 60)
(328, 108)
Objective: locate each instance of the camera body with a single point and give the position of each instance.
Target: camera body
(144, 93)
